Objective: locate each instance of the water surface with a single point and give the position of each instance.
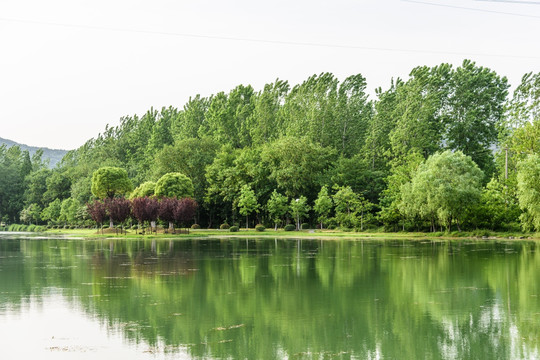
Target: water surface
(268, 299)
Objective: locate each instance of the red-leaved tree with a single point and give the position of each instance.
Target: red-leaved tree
(145, 209)
(97, 212)
(185, 210)
(119, 209)
(166, 210)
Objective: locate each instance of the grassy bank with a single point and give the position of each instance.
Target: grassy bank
(321, 234)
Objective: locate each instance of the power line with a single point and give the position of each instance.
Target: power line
(472, 9)
(266, 41)
(512, 2)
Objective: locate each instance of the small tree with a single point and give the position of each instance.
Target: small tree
(174, 185)
(68, 210)
(119, 209)
(323, 205)
(52, 212)
(30, 214)
(166, 211)
(277, 207)
(185, 210)
(347, 203)
(108, 182)
(247, 203)
(97, 212)
(145, 189)
(145, 209)
(299, 209)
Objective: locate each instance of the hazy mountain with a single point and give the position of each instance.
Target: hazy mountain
(53, 155)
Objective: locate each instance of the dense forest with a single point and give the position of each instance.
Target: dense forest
(448, 148)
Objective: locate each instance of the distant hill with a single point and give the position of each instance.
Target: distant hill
(53, 155)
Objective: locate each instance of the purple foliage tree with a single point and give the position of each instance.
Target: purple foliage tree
(97, 212)
(185, 210)
(119, 209)
(145, 209)
(166, 210)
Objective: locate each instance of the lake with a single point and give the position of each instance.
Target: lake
(234, 298)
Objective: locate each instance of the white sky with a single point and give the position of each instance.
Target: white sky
(69, 67)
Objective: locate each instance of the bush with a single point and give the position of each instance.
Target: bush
(290, 227)
(305, 226)
(195, 226)
(224, 226)
(233, 229)
(259, 227)
(346, 229)
(331, 227)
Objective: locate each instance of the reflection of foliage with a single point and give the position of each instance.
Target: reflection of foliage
(260, 299)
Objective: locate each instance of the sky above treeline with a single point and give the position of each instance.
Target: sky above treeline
(69, 67)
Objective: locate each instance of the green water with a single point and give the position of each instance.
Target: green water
(268, 299)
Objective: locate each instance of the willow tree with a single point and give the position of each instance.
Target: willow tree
(443, 188)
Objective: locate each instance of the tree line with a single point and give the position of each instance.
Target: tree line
(447, 148)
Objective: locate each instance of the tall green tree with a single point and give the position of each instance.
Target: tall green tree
(297, 165)
(529, 191)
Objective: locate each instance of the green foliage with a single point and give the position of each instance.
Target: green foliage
(68, 210)
(31, 214)
(299, 208)
(289, 227)
(234, 228)
(147, 188)
(247, 203)
(323, 205)
(174, 185)
(224, 226)
(305, 226)
(297, 165)
(277, 207)
(294, 141)
(260, 227)
(443, 188)
(529, 191)
(109, 181)
(195, 226)
(351, 209)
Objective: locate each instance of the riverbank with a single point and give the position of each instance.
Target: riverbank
(319, 234)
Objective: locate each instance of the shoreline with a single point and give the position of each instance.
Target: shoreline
(327, 235)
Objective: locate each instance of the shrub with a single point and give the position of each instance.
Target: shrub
(305, 226)
(195, 226)
(331, 227)
(233, 229)
(224, 226)
(346, 229)
(290, 227)
(259, 227)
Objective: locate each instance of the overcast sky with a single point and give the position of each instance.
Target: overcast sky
(69, 67)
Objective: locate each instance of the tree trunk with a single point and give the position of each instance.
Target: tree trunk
(111, 225)
(247, 227)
